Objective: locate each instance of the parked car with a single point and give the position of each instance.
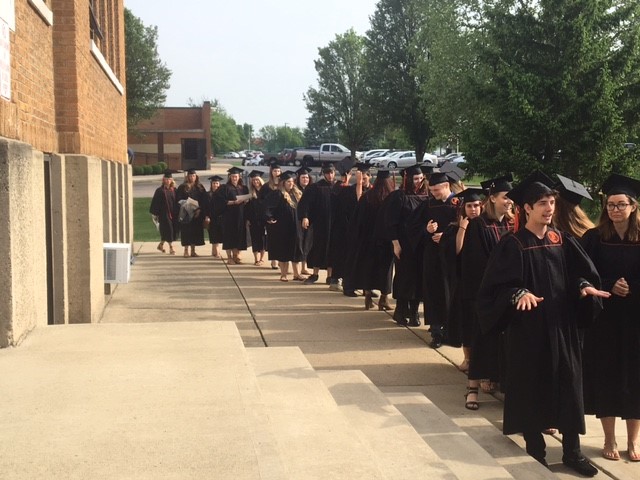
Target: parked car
(373, 153)
(326, 153)
(231, 155)
(397, 159)
(252, 161)
(449, 157)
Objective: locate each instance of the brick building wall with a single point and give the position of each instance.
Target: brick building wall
(63, 144)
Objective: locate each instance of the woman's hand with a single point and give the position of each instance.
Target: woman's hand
(432, 226)
(464, 222)
(397, 249)
(305, 223)
(272, 221)
(594, 292)
(528, 301)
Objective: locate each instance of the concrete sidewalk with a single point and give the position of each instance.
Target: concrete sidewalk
(125, 398)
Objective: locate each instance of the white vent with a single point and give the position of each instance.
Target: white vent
(116, 262)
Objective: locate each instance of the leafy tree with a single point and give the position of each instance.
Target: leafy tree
(393, 50)
(147, 77)
(225, 135)
(320, 131)
(555, 87)
(341, 98)
(277, 138)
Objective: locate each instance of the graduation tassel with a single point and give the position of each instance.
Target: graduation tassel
(516, 219)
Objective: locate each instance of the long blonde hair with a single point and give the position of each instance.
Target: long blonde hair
(571, 218)
(297, 193)
(252, 190)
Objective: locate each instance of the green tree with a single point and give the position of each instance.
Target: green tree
(277, 138)
(225, 135)
(319, 131)
(147, 77)
(555, 87)
(393, 49)
(342, 98)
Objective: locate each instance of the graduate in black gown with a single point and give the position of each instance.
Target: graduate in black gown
(285, 232)
(427, 224)
(192, 233)
(484, 351)
(569, 217)
(164, 207)
(372, 253)
(215, 213)
(396, 211)
(255, 215)
(539, 286)
(268, 195)
(612, 344)
(451, 247)
(343, 203)
(234, 229)
(314, 210)
(303, 180)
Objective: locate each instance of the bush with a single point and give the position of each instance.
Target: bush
(148, 169)
(157, 168)
(138, 170)
(164, 166)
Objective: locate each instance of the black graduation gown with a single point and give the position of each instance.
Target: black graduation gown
(234, 230)
(165, 206)
(612, 344)
(396, 210)
(371, 255)
(451, 261)
(343, 204)
(192, 233)
(216, 207)
(481, 236)
(284, 235)
(315, 205)
(544, 373)
(268, 198)
(254, 213)
(436, 292)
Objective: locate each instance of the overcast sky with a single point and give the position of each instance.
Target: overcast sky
(254, 56)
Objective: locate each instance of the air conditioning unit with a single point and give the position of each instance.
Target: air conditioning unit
(117, 266)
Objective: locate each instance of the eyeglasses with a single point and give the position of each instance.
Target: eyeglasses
(617, 206)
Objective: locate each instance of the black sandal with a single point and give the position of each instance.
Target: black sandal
(471, 404)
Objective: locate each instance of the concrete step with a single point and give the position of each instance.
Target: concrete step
(143, 401)
(397, 447)
(316, 439)
(467, 441)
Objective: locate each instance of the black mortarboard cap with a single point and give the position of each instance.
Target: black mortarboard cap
(382, 174)
(287, 175)
(168, 173)
(571, 191)
(233, 170)
(437, 178)
(215, 178)
(531, 189)
(452, 171)
(619, 184)
(412, 170)
(255, 173)
(499, 184)
(328, 167)
(345, 165)
(303, 171)
(273, 165)
(191, 171)
(363, 167)
(427, 169)
(471, 194)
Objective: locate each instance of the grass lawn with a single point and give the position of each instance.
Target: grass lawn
(143, 228)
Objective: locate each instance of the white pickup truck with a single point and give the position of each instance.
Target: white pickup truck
(326, 153)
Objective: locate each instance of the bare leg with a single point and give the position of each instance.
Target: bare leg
(610, 450)
(186, 251)
(160, 247)
(230, 257)
(295, 266)
(304, 268)
(633, 428)
(471, 402)
(284, 271)
(464, 366)
(171, 250)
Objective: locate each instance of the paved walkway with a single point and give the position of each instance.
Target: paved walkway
(333, 331)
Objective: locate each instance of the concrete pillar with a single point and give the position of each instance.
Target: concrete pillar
(85, 227)
(23, 282)
(60, 286)
(107, 212)
(127, 202)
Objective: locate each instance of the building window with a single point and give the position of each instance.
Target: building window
(104, 28)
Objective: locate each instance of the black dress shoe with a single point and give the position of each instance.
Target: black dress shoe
(580, 465)
(414, 322)
(436, 342)
(311, 280)
(349, 293)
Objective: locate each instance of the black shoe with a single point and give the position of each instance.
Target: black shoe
(349, 293)
(328, 281)
(580, 465)
(414, 322)
(311, 280)
(399, 317)
(436, 342)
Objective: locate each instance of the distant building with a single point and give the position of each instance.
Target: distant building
(65, 184)
(179, 136)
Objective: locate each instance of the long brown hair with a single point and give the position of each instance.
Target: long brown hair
(381, 189)
(571, 218)
(489, 209)
(607, 230)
